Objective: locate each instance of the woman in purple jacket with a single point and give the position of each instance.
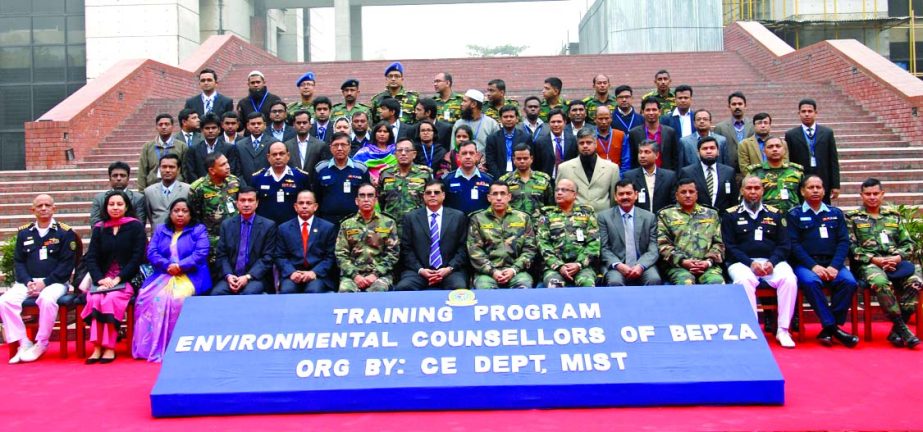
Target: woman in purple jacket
(178, 251)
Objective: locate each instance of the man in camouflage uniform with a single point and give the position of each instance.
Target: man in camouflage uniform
(883, 252)
(394, 87)
(367, 246)
(530, 190)
(551, 98)
(689, 239)
(448, 103)
(568, 239)
(601, 97)
(780, 179)
(401, 186)
(662, 92)
(212, 198)
(349, 106)
(496, 99)
(305, 86)
(501, 243)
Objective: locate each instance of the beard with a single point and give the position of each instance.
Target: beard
(467, 114)
(753, 206)
(258, 93)
(709, 160)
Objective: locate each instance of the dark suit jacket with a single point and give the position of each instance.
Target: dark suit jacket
(321, 260)
(252, 160)
(315, 152)
(612, 237)
(544, 152)
(221, 104)
(669, 145)
(443, 132)
(828, 161)
(287, 134)
(673, 122)
(495, 150)
(664, 188)
(725, 181)
(245, 106)
(415, 241)
(263, 236)
(194, 159)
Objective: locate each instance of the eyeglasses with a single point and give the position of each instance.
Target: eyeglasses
(276, 111)
(339, 145)
(404, 150)
(366, 196)
(564, 190)
(432, 192)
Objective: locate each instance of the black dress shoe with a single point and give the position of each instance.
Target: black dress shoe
(91, 360)
(103, 360)
(845, 338)
(895, 339)
(824, 337)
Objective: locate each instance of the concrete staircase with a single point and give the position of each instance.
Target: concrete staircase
(867, 147)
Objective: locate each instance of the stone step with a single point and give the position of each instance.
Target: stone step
(892, 153)
(864, 164)
(43, 175)
(95, 183)
(853, 200)
(25, 208)
(891, 186)
(890, 175)
(73, 219)
(60, 196)
(110, 156)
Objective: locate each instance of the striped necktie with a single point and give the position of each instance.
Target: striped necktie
(435, 257)
(710, 183)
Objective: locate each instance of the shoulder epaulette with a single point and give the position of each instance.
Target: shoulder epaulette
(853, 213)
(320, 165)
(587, 208)
(753, 167)
(302, 171)
(25, 227)
(731, 209)
(548, 208)
(361, 166)
(477, 212)
(259, 171)
(796, 165)
(64, 226)
(425, 168)
(771, 208)
(889, 210)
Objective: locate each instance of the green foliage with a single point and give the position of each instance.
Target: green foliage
(913, 222)
(6, 259)
(496, 51)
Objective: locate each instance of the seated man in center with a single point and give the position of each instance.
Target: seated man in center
(689, 239)
(757, 243)
(501, 243)
(367, 246)
(246, 246)
(305, 256)
(568, 239)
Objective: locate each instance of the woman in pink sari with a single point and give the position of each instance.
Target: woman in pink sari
(115, 253)
(379, 153)
(179, 254)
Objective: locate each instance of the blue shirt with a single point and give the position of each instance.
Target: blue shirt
(738, 230)
(809, 246)
(336, 200)
(267, 189)
(459, 189)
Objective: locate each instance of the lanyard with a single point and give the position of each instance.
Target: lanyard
(618, 116)
(255, 107)
(478, 130)
(509, 145)
(428, 157)
(763, 147)
(811, 141)
(538, 131)
(608, 142)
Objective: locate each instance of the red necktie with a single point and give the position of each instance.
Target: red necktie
(305, 234)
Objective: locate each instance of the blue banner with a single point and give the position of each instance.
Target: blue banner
(462, 350)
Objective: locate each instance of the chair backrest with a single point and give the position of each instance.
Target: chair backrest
(78, 252)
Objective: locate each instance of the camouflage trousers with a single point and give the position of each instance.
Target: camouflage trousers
(584, 278)
(893, 298)
(380, 284)
(681, 276)
(519, 280)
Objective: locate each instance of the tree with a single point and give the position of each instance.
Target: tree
(496, 51)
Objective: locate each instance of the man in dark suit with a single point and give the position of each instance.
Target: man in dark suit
(245, 249)
(251, 150)
(305, 250)
(814, 147)
(554, 148)
(212, 141)
(655, 185)
(681, 118)
(278, 122)
(500, 144)
(628, 260)
(426, 110)
(433, 251)
(209, 101)
(305, 150)
(717, 189)
(653, 130)
(258, 99)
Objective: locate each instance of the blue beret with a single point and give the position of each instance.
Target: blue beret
(306, 77)
(351, 82)
(395, 66)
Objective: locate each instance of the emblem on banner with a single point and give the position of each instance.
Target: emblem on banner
(461, 297)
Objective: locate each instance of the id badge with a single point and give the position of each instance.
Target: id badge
(347, 187)
(823, 232)
(784, 195)
(727, 188)
(580, 237)
(446, 115)
(474, 194)
(509, 166)
(280, 196)
(758, 234)
(642, 197)
(43, 254)
(884, 238)
(231, 208)
(813, 162)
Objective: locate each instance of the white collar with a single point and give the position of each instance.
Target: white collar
(310, 221)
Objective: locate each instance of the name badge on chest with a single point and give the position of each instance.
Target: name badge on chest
(758, 234)
(813, 162)
(884, 238)
(642, 197)
(280, 196)
(43, 254)
(823, 232)
(580, 237)
(727, 188)
(474, 194)
(783, 194)
(347, 187)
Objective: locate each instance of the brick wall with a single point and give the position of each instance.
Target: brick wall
(86, 117)
(876, 84)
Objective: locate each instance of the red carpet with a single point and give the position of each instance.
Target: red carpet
(873, 386)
